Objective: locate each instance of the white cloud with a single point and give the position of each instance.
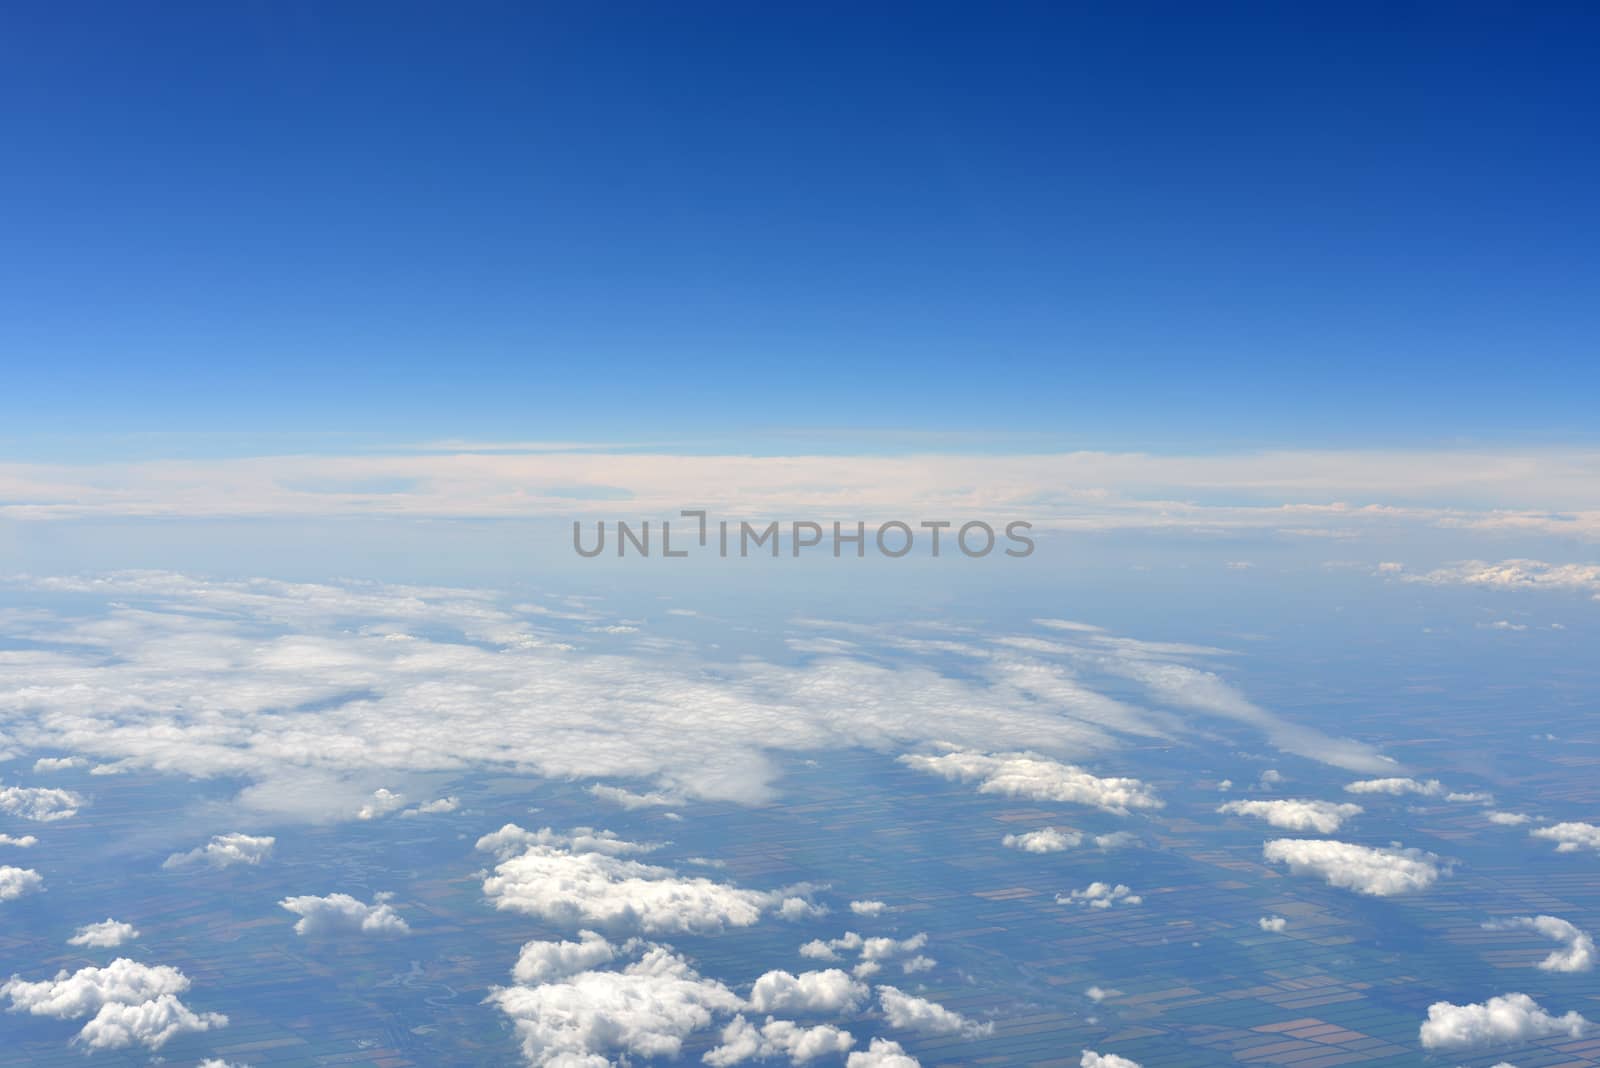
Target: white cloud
(909, 1013)
(1570, 837)
(26, 841)
(1275, 924)
(868, 908)
(577, 884)
(150, 1024)
(225, 850)
(881, 948)
(1098, 895)
(1470, 797)
(14, 882)
(312, 695)
(42, 804)
(44, 764)
(1091, 1059)
(882, 1053)
(743, 1041)
(1323, 817)
(1509, 819)
(343, 914)
(1044, 840)
(630, 800)
(1115, 840)
(830, 991)
(1097, 994)
(105, 934)
(1515, 575)
(382, 802)
(644, 1010)
(1395, 787)
(1037, 778)
(544, 962)
(432, 808)
(1376, 872)
(1510, 1018)
(1577, 953)
(129, 1003)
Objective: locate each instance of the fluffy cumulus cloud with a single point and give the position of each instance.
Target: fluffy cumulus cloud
(882, 1053)
(225, 850)
(1570, 837)
(910, 1013)
(382, 802)
(436, 807)
(743, 1041)
(42, 804)
(105, 934)
(574, 882)
(1098, 895)
(342, 914)
(1396, 787)
(545, 962)
(868, 908)
(1509, 819)
(1044, 840)
(45, 764)
(1275, 924)
(15, 882)
(315, 695)
(127, 1003)
(1364, 869)
(1323, 817)
(22, 841)
(830, 991)
(1577, 952)
(588, 1019)
(1510, 1018)
(1091, 1059)
(1036, 778)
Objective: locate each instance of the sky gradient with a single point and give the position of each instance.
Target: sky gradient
(303, 227)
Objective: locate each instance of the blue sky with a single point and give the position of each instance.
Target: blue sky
(303, 226)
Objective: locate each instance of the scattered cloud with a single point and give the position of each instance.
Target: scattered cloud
(830, 991)
(1037, 778)
(1577, 953)
(1510, 1018)
(1323, 817)
(105, 934)
(882, 1053)
(128, 1003)
(1509, 819)
(342, 914)
(382, 802)
(868, 908)
(47, 764)
(1091, 1059)
(225, 850)
(909, 1013)
(1275, 924)
(1044, 840)
(644, 1009)
(1570, 837)
(1395, 787)
(1098, 895)
(584, 883)
(743, 1041)
(42, 804)
(1375, 872)
(15, 882)
(25, 841)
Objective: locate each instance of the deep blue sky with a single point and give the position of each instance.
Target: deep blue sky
(274, 224)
